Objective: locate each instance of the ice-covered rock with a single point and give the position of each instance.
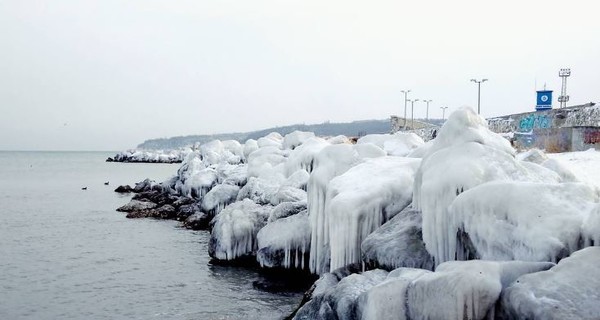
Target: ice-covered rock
(332, 161)
(267, 163)
(570, 290)
(285, 242)
(533, 155)
(331, 300)
(465, 154)
(219, 197)
(527, 221)
(340, 139)
(398, 144)
(362, 199)
(464, 289)
(259, 190)
(250, 146)
(296, 138)
(398, 243)
(151, 156)
(387, 300)
(303, 157)
(232, 174)
(288, 194)
(286, 209)
(234, 230)
(273, 139)
(298, 179)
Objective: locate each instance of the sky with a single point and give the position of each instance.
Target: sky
(109, 74)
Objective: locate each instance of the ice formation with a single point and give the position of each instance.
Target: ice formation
(234, 229)
(567, 291)
(464, 155)
(153, 156)
(303, 157)
(507, 220)
(398, 144)
(286, 209)
(219, 197)
(387, 300)
(362, 199)
(464, 289)
(339, 300)
(273, 139)
(285, 242)
(332, 161)
(295, 139)
(398, 243)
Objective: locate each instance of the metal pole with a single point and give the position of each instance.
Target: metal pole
(412, 113)
(479, 97)
(443, 113)
(427, 112)
(405, 102)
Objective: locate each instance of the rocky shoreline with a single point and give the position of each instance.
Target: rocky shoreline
(394, 228)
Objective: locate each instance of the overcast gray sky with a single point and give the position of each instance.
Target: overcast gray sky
(108, 74)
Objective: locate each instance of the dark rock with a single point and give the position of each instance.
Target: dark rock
(135, 205)
(167, 211)
(145, 185)
(124, 189)
(198, 221)
(110, 159)
(181, 201)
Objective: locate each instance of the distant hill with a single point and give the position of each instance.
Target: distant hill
(356, 128)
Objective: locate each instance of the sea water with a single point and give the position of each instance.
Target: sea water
(65, 253)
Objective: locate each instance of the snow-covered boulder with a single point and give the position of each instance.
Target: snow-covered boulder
(398, 243)
(362, 199)
(288, 194)
(232, 174)
(296, 138)
(520, 220)
(285, 242)
(234, 230)
(331, 300)
(570, 290)
(273, 139)
(258, 190)
(286, 209)
(464, 155)
(332, 161)
(464, 289)
(219, 197)
(398, 144)
(303, 157)
(250, 146)
(298, 179)
(387, 300)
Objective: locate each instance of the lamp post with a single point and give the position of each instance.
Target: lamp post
(479, 93)
(427, 112)
(412, 113)
(443, 113)
(405, 101)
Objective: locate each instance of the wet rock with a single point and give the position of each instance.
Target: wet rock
(136, 205)
(198, 221)
(124, 189)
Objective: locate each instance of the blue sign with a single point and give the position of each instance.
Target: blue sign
(544, 100)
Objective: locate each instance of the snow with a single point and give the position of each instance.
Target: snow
(398, 144)
(398, 243)
(298, 179)
(332, 161)
(288, 194)
(362, 199)
(234, 229)
(285, 242)
(583, 164)
(540, 222)
(259, 190)
(341, 139)
(250, 146)
(273, 139)
(567, 291)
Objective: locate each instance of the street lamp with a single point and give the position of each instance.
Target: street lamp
(443, 113)
(412, 113)
(405, 101)
(479, 93)
(427, 114)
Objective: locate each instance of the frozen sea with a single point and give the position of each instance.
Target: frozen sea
(65, 253)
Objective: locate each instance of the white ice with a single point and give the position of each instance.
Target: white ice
(398, 144)
(290, 236)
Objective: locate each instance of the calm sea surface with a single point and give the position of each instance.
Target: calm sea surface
(65, 253)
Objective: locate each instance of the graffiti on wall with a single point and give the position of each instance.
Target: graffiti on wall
(535, 121)
(591, 136)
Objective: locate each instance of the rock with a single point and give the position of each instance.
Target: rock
(187, 210)
(234, 230)
(198, 221)
(135, 205)
(285, 243)
(124, 189)
(165, 212)
(398, 243)
(570, 290)
(286, 209)
(145, 185)
(181, 201)
(218, 197)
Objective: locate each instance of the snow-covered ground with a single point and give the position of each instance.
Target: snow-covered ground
(396, 203)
